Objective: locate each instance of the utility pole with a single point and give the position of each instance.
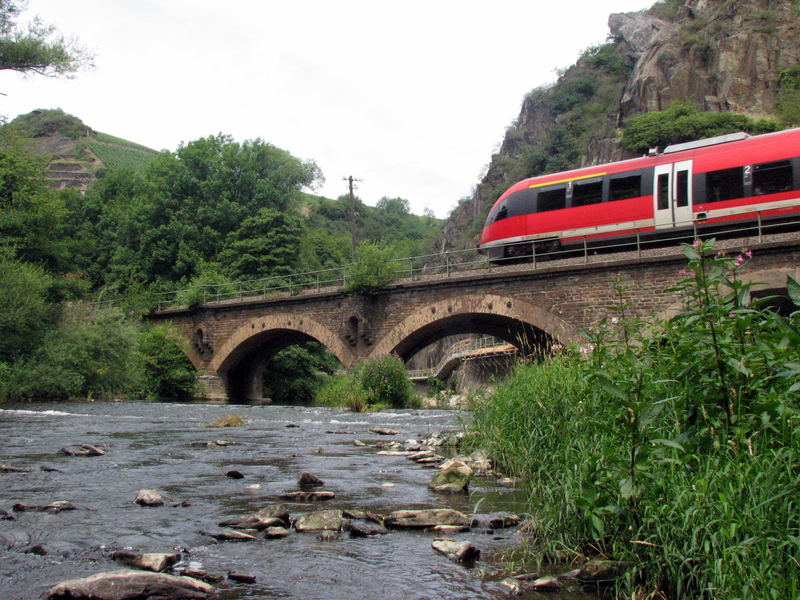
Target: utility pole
(352, 206)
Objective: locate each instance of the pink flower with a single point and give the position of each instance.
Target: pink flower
(696, 244)
(686, 273)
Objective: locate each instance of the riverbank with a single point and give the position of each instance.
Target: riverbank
(672, 447)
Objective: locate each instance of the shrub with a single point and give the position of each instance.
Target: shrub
(371, 270)
(385, 381)
(344, 391)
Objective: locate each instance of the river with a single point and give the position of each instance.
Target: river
(155, 446)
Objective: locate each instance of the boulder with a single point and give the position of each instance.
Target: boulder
(451, 481)
(83, 450)
(384, 431)
(232, 535)
(229, 421)
(200, 574)
(601, 572)
(234, 474)
(301, 496)
(149, 498)
(149, 561)
(548, 583)
(252, 522)
(10, 469)
(360, 530)
(274, 533)
(504, 521)
(241, 577)
(128, 584)
(458, 551)
(54, 507)
(309, 479)
(332, 520)
(425, 518)
(277, 511)
(359, 443)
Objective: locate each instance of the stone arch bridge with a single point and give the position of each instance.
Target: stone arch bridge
(229, 342)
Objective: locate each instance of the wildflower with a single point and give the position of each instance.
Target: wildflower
(686, 273)
(696, 244)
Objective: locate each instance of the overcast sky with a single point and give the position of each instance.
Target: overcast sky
(411, 97)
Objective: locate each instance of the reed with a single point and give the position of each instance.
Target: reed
(673, 447)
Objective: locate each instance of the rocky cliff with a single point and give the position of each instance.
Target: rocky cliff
(720, 55)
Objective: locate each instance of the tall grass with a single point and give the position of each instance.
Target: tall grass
(674, 447)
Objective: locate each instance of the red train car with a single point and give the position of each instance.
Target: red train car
(709, 183)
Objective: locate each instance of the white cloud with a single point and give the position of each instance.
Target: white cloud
(410, 97)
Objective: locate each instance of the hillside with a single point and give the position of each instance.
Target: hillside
(718, 55)
(77, 154)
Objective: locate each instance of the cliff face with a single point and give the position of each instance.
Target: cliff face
(721, 55)
(724, 56)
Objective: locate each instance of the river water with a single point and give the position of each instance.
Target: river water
(155, 446)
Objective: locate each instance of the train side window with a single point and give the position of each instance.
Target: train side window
(552, 199)
(501, 214)
(520, 203)
(662, 191)
(622, 188)
(771, 178)
(587, 192)
(726, 184)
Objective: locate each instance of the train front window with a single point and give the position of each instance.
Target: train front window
(502, 213)
(552, 199)
(622, 188)
(726, 184)
(771, 178)
(587, 192)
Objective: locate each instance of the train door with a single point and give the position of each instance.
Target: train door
(672, 193)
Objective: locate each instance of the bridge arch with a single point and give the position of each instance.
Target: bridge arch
(511, 319)
(240, 360)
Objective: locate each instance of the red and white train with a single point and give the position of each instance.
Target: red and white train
(715, 182)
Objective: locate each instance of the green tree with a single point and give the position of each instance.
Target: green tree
(169, 374)
(265, 244)
(31, 214)
(787, 103)
(36, 48)
(682, 122)
(26, 314)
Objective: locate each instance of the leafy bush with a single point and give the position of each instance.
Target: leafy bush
(682, 122)
(673, 447)
(297, 372)
(385, 381)
(89, 354)
(374, 383)
(343, 390)
(169, 374)
(371, 269)
(26, 313)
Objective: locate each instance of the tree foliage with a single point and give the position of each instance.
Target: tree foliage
(36, 48)
(682, 122)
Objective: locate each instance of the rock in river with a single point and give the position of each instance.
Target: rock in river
(54, 507)
(309, 479)
(148, 561)
(421, 519)
(450, 480)
(149, 498)
(83, 450)
(458, 551)
(384, 431)
(229, 421)
(318, 520)
(301, 496)
(127, 584)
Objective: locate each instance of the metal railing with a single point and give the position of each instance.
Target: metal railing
(582, 250)
(457, 350)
